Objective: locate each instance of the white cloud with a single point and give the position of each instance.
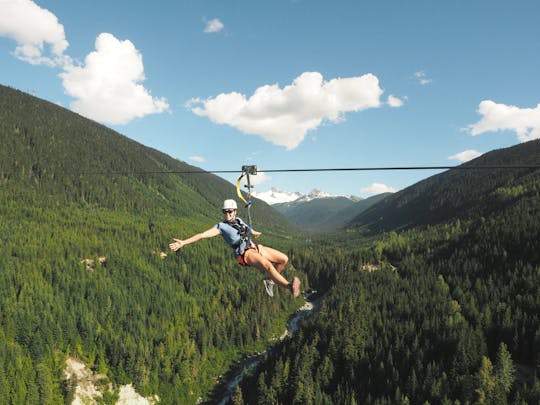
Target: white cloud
(378, 188)
(107, 87)
(259, 178)
(198, 159)
(40, 37)
(465, 156)
(422, 78)
(525, 122)
(212, 26)
(283, 116)
(393, 101)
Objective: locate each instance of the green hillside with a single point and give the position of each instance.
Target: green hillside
(343, 218)
(313, 214)
(442, 314)
(439, 306)
(456, 193)
(71, 158)
(85, 218)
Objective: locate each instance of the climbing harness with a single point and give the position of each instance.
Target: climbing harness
(245, 230)
(242, 230)
(246, 172)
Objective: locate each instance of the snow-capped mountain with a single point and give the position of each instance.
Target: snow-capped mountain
(275, 196)
(316, 210)
(315, 194)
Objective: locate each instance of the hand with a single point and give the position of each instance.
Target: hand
(256, 234)
(176, 245)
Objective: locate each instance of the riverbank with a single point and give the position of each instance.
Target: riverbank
(223, 391)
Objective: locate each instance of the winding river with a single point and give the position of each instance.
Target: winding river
(235, 375)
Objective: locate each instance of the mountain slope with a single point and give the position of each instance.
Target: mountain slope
(314, 213)
(440, 314)
(325, 214)
(86, 217)
(454, 193)
(342, 218)
(75, 159)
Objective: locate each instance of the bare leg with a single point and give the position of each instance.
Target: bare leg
(278, 259)
(273, 262)
(257, 260)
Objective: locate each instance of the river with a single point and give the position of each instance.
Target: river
(234, 376)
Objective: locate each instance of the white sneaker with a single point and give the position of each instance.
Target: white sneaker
(269, 286)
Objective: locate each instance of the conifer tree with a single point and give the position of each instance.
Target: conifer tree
(237, 398)
(486, 382)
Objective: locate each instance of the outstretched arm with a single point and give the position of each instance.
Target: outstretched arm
(178, 243)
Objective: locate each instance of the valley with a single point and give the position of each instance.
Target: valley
(431, 293)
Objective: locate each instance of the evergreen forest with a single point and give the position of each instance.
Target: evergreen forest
(450, 314)
(429, 296)
(85, 223)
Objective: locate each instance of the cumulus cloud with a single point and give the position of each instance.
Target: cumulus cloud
(107, 87)
(198, 159)
(259, 178)
(212, 26)
(393, 101)
(378, 188)
(465, 156)
(40, 37)
(525, 122)
(422, 77)
(283, 116)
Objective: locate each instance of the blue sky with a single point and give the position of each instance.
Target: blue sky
(289, 84)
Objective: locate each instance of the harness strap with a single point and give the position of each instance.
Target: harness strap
(243, 231)
(238, 191)
(246, 171)
(242, 256)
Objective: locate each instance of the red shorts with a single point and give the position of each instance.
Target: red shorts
(241, 257)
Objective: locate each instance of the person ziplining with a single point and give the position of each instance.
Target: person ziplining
(237, 234)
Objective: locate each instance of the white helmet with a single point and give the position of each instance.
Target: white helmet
(229, 205)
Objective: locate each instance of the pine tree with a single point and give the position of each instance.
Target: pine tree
(505, 371)
(237, 398)
(45, 384)
(486, 382)
(504, 375)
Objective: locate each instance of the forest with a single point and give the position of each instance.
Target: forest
(451, 316)
(83, 271)
(440, 308)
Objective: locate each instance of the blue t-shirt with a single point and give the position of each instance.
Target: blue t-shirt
(232, 236)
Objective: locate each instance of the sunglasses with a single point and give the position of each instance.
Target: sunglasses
(228, 211)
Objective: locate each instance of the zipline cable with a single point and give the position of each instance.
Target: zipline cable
(343, 169)
(328, 169)
(331, 169)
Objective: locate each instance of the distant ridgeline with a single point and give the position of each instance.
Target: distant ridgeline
(459, 193)
(326, 214)
(85, 270)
